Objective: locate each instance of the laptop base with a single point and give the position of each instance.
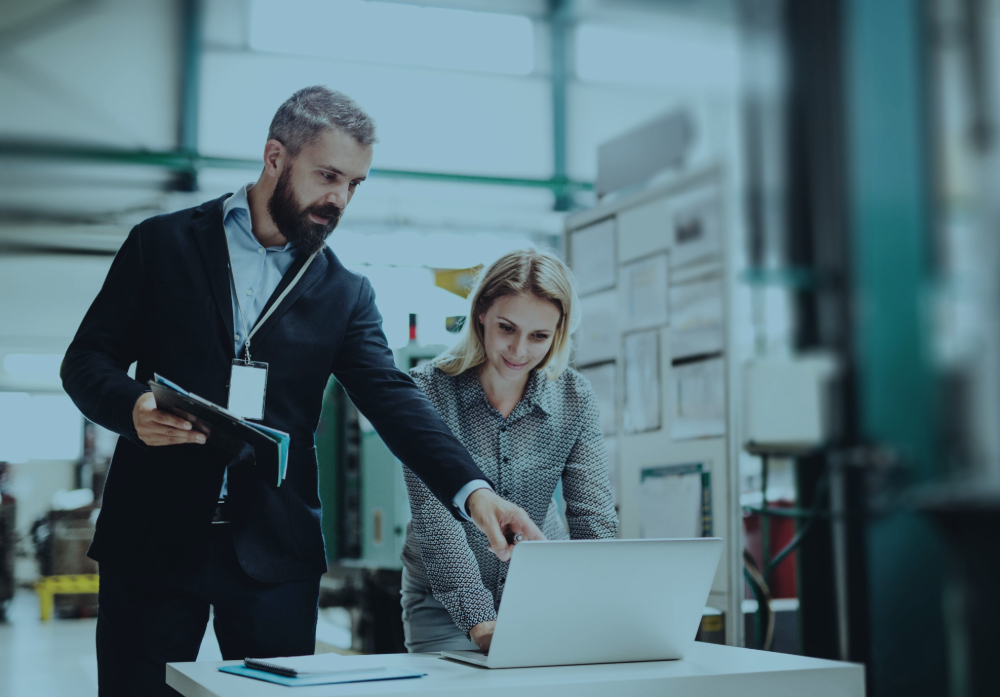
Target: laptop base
(475, 657)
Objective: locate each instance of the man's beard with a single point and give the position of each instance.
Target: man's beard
(293, 222)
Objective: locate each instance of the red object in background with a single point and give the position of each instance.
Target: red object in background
(8, 537)
(783, 578)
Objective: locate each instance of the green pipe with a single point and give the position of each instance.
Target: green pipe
(190, 76)
(190, 91)
(558, 31)
(894, 220)
(790, 547)
(183, 161)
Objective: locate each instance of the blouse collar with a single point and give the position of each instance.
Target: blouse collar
(537, 393)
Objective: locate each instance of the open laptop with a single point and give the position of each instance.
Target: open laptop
(600, 601)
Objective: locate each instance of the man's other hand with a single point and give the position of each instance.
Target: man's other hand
(498, 518)
(156, 427)
(482, 634)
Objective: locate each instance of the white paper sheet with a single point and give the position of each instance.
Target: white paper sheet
(319, 663)
(698, 400)
(643, 293)
(592, 256)
(695, 225)
(603, 379)
(598, 336)
(696, 318)
(670, 502)
(641, 409)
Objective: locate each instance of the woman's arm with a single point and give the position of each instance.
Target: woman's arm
(590, 509)
(451, 566)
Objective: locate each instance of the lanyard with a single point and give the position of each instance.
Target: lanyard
(274, 305)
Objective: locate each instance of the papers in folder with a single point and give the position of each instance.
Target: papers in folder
(223, 428)
(324, 669)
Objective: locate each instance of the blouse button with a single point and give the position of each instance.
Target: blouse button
(503, 429)
(506, 460)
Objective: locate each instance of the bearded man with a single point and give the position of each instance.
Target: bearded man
(244, 285)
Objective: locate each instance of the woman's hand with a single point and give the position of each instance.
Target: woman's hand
(482, 634)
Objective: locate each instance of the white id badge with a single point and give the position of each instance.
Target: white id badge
(247, 385)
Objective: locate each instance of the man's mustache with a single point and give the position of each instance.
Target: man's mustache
(332, 212)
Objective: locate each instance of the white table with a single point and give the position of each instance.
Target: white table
(708, 671)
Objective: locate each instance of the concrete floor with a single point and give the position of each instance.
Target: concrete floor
(43, 659)
(39, 659)
(50, 658)
(57, 658)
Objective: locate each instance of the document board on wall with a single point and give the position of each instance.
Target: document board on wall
(672, 284)
(592, 254)
(642, 399)
(675, 501)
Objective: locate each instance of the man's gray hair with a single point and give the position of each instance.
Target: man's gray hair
(310, 111)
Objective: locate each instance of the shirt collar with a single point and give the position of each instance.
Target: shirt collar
(239, 202)
(545, 393)
(537, 393)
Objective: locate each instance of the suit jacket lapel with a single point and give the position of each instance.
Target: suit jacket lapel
(211, 237)
(313, 274)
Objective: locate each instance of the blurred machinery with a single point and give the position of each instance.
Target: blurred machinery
(887, 255)
(68, 581)
(61, 538)
(98, 449)
(8, 540)
(365, 513)
(785, 416)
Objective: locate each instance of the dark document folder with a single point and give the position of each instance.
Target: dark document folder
(268, 447)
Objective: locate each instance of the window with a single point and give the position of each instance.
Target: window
(39, 427)
(690, 58)
(43, 366)
(382, 32)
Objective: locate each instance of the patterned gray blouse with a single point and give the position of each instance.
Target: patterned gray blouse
(554, 432)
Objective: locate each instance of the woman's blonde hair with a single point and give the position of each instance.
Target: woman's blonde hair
(523, 272)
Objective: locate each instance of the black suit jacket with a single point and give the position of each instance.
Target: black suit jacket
(166, 304)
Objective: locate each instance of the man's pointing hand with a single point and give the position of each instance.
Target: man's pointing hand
(500, 519)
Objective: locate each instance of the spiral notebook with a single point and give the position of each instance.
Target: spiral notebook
(324, 669)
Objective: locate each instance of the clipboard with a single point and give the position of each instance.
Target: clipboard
(268, 447)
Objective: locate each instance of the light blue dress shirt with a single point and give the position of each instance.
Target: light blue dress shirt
(257, 271)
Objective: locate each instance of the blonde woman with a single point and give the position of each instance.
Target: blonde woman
(528, 421)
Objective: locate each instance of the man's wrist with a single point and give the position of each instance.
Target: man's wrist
(461, 500)
(133, 432)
